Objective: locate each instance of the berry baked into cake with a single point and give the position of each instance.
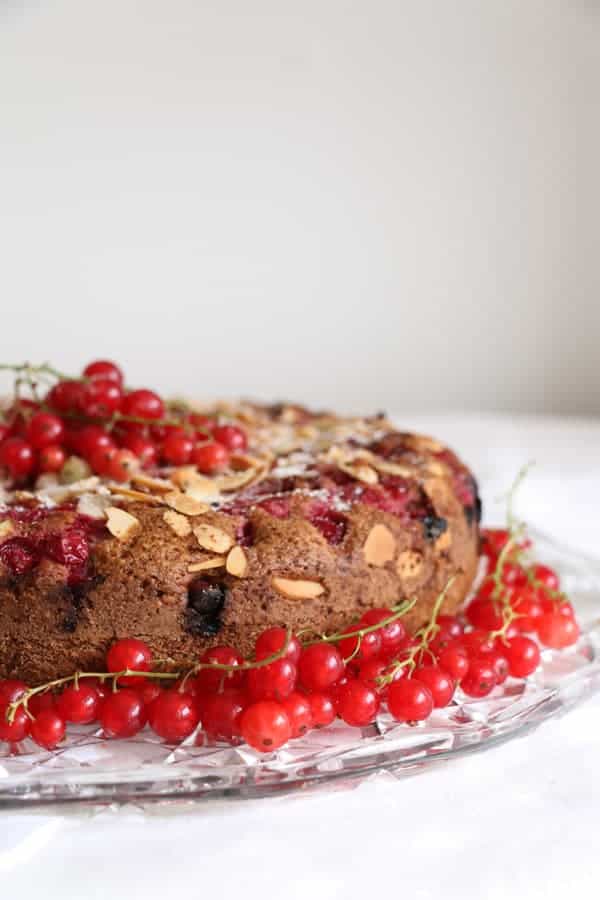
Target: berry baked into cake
(124, 516)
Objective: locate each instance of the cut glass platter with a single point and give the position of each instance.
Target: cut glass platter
(89, 769)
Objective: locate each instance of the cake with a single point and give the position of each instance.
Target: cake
(305, 519)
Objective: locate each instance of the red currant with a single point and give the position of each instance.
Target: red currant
(484, 613)
(272, 640)
(177, 449)
(440, 683)
(143, 404)
(212, 679)
(129, 653)
(173, 716)
(17, 457)
(369, 646)
(79, 704)
(265, 725)
(40, 702)
(149, 692)
(319, 667)
(392, 635)
(44, 429)
(274, 681)
(322, 709)
(298, 709)
(498, 661)
(144, 449)
(11, 690)
(103, 368)
(92, 438)
(527, 604)
(493, 541)
(477, 642)
(221, 714)
(449, 628)
(52, 458)
(546, 577)
(121, 465)
(18, 729)
(230, 436)
(101, 459)
(454, 660)
(357, 703)
(210, 458)
(202, 425)
(65, 396)
(557, 631)
(371, 671)
(48, 729)
(480, 679)
(122, 714)
(513, 575)
(100, 398)
(523, 656)
(409, 701)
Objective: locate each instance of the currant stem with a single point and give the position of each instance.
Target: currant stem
(398, 611)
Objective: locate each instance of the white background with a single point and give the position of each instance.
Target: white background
(355, 204)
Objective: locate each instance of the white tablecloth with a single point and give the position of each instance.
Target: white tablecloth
(518, 821)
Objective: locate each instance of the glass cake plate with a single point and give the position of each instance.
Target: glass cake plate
(88, 769)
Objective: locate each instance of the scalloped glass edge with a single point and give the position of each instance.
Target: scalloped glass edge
(88, 769)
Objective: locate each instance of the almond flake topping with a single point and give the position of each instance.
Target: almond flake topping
(154, 485)
(409, 564)
(380, 546)
(121, 524)
(215, 562)
(212, 538)
(139, 496)
(298, 589)
(185, 504)
(177, 523)
(237, 562)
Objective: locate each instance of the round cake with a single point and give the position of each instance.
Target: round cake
(310, 520)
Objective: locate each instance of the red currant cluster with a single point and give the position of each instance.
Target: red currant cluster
(290, 687)
(113, 429)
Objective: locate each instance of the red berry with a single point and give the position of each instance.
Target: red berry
(557, 630)
(357, 703)
(213, 679)
(230, 436)
(513, 575)
(409, 701)
(129, 653)
(103, 368)
(17, 457)
(477, 642)
(48, 729)
(272, 640)
(65, 396)
(265, 725)
(369, 646)
(298, 709)
(11, 690)
(19, 555)
(103, 688)
(143, 404)
(274, 681)
(210, 458)
(454, 660)
(44, 429)
(392, 635)
(480, 679)
(493, 541)
(79, 704)
(149, 692)
(91, 438)
(484, 613)
(322, 710)
(546, 577)
(319, 667)
(449, 629)
(523, 656)
(221, 714)
(498, 661)
(101, 398)
(371, 671)
(52, 458)
(40, 702)
(144, 449)
(18, 729)
(440, 683)
(173, 716)
(527, 604)
(121, 465)
(560, 605)
(122, 714)
(101, 459)
(177, 449)
(202, 425)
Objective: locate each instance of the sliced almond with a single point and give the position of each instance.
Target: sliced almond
(380, 546)
(138, 496)
(409, 564)
(234, 482)
(121, 524)
(154, 485)
(389, 468)
(444, 540)
(298, 588)
(185, 504)
(361, 471)
(177, 523)
(215, 562)
(6, 528)
(237, 562)
(212, 538)
(93, 505)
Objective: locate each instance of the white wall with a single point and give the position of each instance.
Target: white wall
(382, 204)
